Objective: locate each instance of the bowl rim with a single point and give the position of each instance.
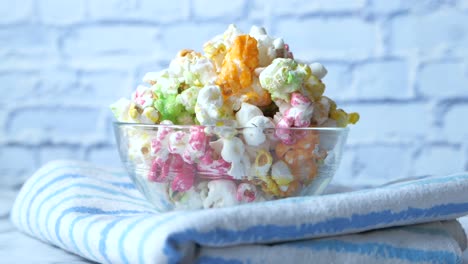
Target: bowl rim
(118, 123)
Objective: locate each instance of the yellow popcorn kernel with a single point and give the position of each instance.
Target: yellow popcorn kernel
(269, 186)
(263, 162)
(314, 88)
(152, 114)
(134, 111)
(340, 116)
(190, 54)
(283, 181)
(353, 118)
(215, 52)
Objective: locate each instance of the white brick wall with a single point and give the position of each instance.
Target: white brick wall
(15, 11)
(330, 38)
(402, 64)
(437, 31)
(57, 12)
(445, 79)
(382, 79)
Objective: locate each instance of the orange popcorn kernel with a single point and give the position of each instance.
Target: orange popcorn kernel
(238, 66)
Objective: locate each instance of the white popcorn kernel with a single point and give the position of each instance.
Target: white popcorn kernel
(191, 199)
(221, 193)
(281, 174)
(231, 33)
(149, 116)
(120, 109)
(208, 106)
(210, 95)
(246, 113)
(139, 148)
(206, 71)
(152, 77)
(254, 134)
(255, 31)
(202, 189)
(234, 152)
(318, 70)
(233, 149)
(247, 165)
(238, 170)
(278, 43)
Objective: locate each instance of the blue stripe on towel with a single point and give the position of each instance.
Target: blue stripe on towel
(149, 231)
(102, 242)
(85, 240)
(85, 237)
(83, 186)
(44, 175)
(71, 230)
(42, 189)
(223, 236)
(126, 185)
(75, 197)
(124, 235)
(89, 211)
(378, 250)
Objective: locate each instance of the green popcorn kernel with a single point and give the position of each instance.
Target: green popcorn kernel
(169, 108)
(283, 77)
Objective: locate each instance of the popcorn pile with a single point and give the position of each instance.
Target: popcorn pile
(243, 98)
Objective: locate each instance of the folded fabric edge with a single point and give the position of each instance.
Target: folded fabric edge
(456, 230)
(366, 247)
(87, 164)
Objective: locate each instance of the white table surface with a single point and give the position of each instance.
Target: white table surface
(15, 247)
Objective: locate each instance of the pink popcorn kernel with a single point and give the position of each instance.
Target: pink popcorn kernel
(197, 144)
(184, 178)
(210, 166)
(161, 169)
(176, 142)
(141, 95)
(156, 145)
(198, 138)
(285, 135)
(300, 100)
(301, 110)
(297, 115)
(156, 172)
(157, 142)
(246, 192)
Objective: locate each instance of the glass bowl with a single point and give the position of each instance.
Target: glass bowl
(194, 167)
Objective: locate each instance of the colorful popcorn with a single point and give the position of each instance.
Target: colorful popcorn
(231, 123)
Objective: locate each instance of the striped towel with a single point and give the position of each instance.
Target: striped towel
(98, 214)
